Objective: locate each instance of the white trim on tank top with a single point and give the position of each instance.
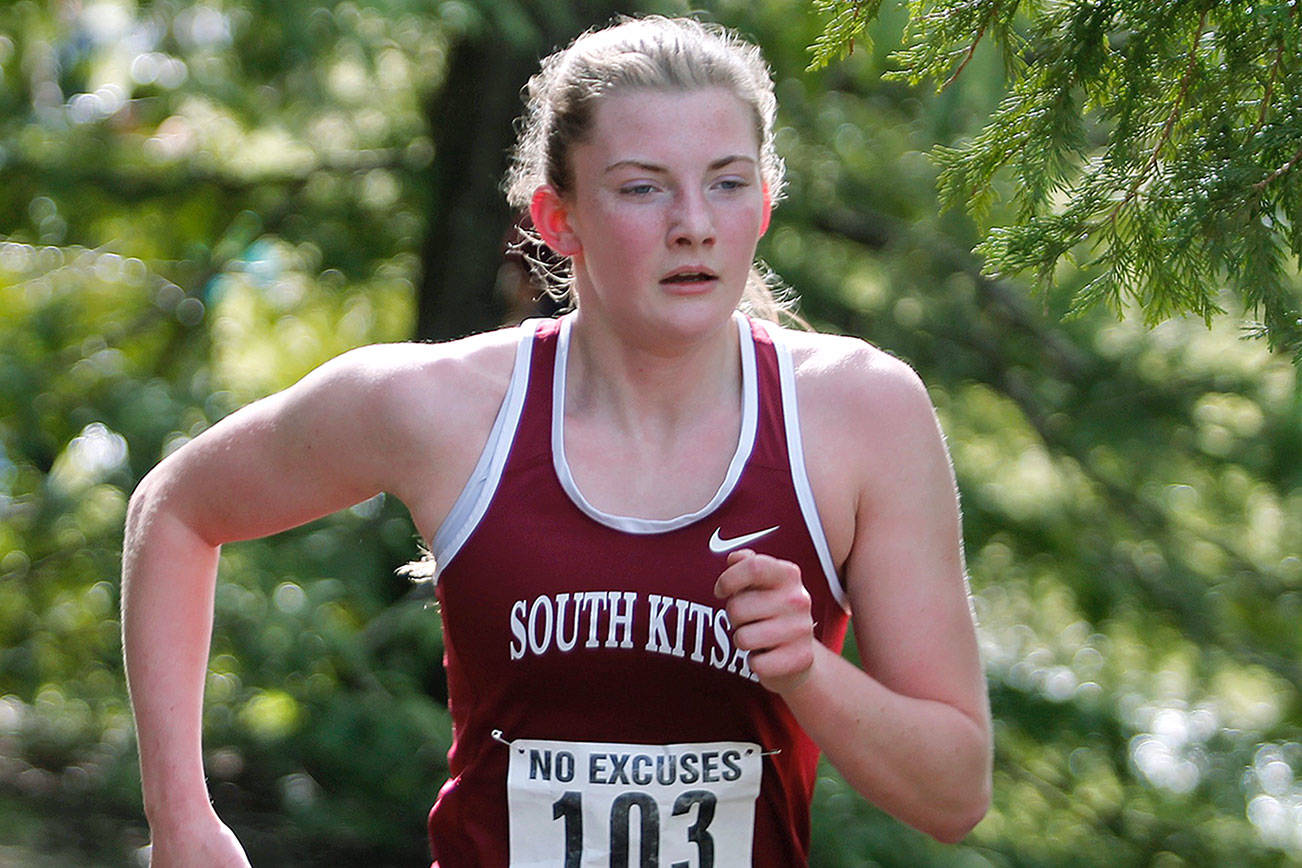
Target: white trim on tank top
(471, 504)
(632, 524)
(799, 473)
(473, 501)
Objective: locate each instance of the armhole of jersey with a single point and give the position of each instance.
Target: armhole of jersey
(475, 496)
(799, 474)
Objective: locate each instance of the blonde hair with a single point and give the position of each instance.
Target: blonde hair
(650, 53)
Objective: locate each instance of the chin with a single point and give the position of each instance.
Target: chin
(667, 317)
(696, 317)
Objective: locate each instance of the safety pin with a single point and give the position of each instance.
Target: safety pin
(498, 736)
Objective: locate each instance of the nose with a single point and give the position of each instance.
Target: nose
(692, 221)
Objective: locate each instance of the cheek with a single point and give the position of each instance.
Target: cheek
(615, 247)
(626, 232)
(741, 217)
(743, 229)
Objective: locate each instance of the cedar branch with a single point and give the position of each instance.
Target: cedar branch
(1281, 171)
(1269, 92)
(970, 51)
(1171, 119)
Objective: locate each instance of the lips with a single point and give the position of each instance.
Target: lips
(691, 275)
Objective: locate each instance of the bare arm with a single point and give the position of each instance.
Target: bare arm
(169, 572)
(911, 730)
(355, 427)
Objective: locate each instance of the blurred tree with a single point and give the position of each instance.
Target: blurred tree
(1157, 140)
(466, 287)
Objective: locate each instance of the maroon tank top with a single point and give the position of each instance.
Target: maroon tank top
(601, 714)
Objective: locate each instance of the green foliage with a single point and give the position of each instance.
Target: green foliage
(200, 205)
(1131, 509)
(104, 368)
(849, 22)
(1156, 142)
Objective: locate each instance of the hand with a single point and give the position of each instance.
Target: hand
(212, 845)
(769, 609)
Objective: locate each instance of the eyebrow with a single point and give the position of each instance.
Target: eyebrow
(654, 167)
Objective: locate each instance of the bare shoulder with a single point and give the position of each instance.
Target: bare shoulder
(867, 425)
(417, 375)
(848, 381)
(365, 401)
(412, 416)
(407, 419)
(404, 399)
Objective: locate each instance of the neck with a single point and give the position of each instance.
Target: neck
(650, 381)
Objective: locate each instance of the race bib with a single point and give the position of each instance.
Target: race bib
(594, 805)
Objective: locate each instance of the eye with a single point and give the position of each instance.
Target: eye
(731, 184)
(637, 189)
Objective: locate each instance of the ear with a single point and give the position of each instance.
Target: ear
(768, 211)
(551, 218)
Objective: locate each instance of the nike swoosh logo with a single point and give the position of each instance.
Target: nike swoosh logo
(719, 545)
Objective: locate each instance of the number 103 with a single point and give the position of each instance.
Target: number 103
(569, 808)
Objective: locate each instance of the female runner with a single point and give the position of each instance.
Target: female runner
(651, 518)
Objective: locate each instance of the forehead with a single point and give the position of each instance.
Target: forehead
(665, 127)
